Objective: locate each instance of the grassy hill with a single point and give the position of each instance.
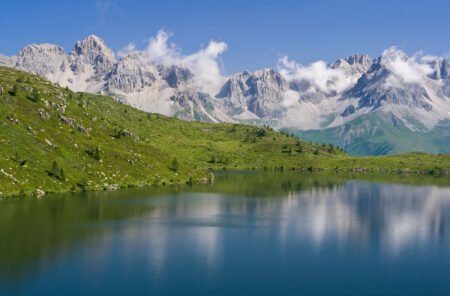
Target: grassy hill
(55, 140)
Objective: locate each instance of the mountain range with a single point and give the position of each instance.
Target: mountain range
(391, 104)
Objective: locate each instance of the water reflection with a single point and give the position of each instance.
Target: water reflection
(218, 234)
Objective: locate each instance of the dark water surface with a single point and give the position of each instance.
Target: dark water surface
(248, 234)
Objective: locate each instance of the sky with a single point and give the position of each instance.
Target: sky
(256, 33)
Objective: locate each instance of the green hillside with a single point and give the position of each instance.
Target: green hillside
(382, 134)
(55, 140)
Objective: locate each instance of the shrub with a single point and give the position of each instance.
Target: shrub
(57, 172)
(94, 153)
(14, 90)
(286, 149)
(260, 133)
(34, 96)
(330, 148)
(82, 184)
(232, 129)
(175, 165)
(17, 158)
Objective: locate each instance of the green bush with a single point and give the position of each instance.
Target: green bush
(57, 172)
(175, 165)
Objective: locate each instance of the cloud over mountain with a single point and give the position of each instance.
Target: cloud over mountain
(203, 63)
(317, 75)
(405, 69)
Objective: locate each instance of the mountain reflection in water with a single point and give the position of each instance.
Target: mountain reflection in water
(277, 228)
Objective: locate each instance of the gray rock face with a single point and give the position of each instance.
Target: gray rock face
(193, 105)
(259, 92)
(442, 72)
(354, 64)
(130, 74)
(233, 93)
(266, 90)
(7, 61)
(42, 59)
(92, 51)
(175, 76)
(441, 69)
(90, 60)
(373, 91)
(348, 111)
(183, 98)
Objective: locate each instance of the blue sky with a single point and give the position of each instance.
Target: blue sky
(257, 33)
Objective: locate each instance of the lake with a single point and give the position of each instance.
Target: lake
(248, 234)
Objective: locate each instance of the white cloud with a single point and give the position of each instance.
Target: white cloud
(317, 74)
(126, 49)
(290, 98)
(404, 69)
(203, 64)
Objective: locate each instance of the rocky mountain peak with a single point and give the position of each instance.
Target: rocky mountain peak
(441, 69)
(93, 51)
(7, 61)
(259, 92)
(235, 86)
(41, 49)
(41, 58)
(270, 78)
(363, 59)
(91, 44)
(353, 65)
(175, 76)
(135, 55)
(374, 91)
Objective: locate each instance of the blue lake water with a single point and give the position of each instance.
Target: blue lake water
(248, 234)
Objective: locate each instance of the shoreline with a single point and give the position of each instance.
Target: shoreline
(210, 179)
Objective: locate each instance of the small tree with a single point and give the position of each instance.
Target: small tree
(330, 148)
(19, 79)
(57, 172)
(61, 175)
(232, 129)
(94, 153)
(97, 153)
(83, 184)
(316, 152)
(14, 90)
(34, 96)
(175, 165)
(260, 133)
(286, 149)
(55, 167)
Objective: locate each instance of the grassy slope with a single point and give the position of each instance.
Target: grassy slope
(145, 157)
(373, 135)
